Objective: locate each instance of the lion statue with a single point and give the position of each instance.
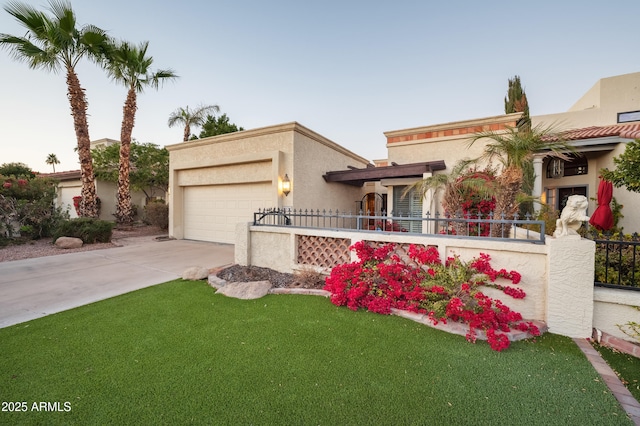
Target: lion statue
(572, 216)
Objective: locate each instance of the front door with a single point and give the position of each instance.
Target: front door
(565, 193)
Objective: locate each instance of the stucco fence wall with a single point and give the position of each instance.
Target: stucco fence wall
(557, 276)
(614, 308)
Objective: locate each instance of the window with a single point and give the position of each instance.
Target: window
(408, 206)
(628, 117)
(577, 165)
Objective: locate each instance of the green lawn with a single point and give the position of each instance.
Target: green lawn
(178, 353)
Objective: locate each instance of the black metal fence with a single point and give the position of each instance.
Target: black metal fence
(616, 261)
(484, 227)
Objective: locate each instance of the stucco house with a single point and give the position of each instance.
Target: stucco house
(219, 181)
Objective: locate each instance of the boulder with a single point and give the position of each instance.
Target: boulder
(195, 273)
(250, 290)
(68, 242)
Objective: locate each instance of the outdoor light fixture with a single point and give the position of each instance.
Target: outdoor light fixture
(286, 185)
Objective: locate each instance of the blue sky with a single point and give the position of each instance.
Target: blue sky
(349, 70)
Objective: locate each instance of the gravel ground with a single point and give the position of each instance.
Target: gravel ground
(45, 247)
(304, 279)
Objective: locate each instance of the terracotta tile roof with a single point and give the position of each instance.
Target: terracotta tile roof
(627, 131)
(71, 174)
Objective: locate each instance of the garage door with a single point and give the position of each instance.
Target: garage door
(211, 212)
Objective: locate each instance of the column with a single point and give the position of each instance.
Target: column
(537, 183)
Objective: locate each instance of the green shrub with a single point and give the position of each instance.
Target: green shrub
(157, 214)
(27, 207)
(88, 229)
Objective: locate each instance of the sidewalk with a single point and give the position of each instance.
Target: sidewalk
(619, 391)
(33, 288)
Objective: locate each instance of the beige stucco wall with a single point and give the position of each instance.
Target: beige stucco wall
(262, 155)
(313, 157)
(600, 105)
(615, 307)
(108, 193)
(451, 149)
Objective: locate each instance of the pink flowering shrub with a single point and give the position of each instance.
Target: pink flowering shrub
(381, 280)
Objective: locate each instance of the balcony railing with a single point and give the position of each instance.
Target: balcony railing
(617, 261)
(485, 227)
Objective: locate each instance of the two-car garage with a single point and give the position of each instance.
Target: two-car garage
(212, 211)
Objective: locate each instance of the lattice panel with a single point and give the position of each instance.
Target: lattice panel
(325, 252)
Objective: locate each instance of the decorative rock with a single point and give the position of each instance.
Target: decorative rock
(216, 282)
(195, 273)
(250, 290)
(68, 243)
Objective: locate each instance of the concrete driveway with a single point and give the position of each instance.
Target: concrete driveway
(34, 288)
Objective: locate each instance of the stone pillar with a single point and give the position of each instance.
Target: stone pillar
(537, 183)
(570, 267)
(242, 249)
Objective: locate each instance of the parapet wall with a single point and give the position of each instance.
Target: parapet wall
(557, 276)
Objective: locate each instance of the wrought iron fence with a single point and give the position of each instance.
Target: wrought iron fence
(616, 261)
(485, 227)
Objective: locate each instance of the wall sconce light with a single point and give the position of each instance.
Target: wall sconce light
(286, 185)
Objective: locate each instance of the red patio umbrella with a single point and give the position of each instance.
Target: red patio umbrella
(602, 218)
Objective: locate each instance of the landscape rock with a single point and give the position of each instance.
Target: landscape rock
(68, 243)
(195, 273)
(216, 282)
(248, 290)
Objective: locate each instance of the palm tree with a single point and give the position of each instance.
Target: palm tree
(129, 65)
(455, 186)
(54, 42)
(515, 150)
(52, 160)
(189, 118)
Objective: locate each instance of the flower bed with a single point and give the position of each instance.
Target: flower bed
(448, 291)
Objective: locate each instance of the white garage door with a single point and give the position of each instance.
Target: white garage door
(211, 212)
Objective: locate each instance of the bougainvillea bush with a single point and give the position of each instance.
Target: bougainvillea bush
(448, 291)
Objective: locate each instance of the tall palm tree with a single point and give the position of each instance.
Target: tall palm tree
(52, 160)
(515, 150)
(188, 118)
(129, 65)
(54, 42)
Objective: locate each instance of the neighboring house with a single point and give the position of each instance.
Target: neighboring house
(70, 185)
(220, 181)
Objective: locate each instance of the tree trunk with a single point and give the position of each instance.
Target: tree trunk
(78, 102)
(509, 185)
(124, 210)
(187, 132)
